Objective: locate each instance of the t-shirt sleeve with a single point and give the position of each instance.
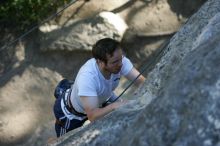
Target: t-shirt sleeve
(127, 66)
(86, 85)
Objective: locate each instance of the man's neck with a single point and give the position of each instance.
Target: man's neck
(104, 72)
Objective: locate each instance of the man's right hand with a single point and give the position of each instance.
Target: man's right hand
(118, 103)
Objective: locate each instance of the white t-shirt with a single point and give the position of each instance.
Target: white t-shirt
(90, 82)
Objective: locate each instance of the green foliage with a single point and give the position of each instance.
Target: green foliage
(24, 13)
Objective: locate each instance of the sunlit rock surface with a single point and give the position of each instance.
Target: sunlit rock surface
(180, 102)
(82, 34)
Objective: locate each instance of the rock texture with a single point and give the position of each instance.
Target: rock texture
(24, 101)
(30, 70)
(82, 34)
(179, 103)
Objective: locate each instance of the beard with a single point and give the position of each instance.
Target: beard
(113, 70)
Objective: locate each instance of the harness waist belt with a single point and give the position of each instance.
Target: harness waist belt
(70, 107)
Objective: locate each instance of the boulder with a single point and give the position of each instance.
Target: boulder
(82, 34)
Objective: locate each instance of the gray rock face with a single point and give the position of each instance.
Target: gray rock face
(186, 111)
(180, 101)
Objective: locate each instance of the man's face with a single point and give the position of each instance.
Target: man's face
(114, 63)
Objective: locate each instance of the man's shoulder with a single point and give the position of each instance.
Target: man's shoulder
(89, 69)
(89, 65)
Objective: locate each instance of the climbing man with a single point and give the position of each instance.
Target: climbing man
(94, 84)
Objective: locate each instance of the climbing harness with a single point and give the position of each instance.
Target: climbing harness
(63, 87)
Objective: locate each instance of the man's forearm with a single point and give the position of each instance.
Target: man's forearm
(96, 113)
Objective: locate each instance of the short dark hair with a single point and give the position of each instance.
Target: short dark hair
(103, 47)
